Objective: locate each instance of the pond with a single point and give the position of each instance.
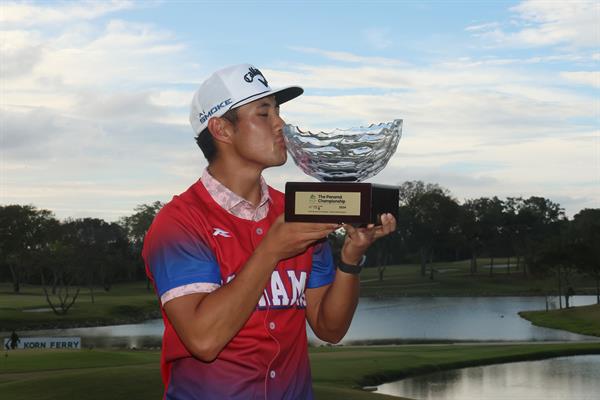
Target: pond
(568, 378)
(418, 319)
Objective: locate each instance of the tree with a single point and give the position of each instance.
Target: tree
(470, 229)
(558, 254)
(489, 217)
(537, 218)
(428, 218)
(512, 229)
(136, 226)
(97, 242)
(23, 231)
(586, 231)
(381, 253)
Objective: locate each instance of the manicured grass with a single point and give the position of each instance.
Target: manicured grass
(455, 279)
(584, 320)
(124, 303)
(338, 372)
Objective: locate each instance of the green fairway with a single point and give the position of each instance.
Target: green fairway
(584, 320)
(338, 372)
(124, 303)
(455, 279)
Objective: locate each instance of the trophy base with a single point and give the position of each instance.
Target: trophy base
(339, 202)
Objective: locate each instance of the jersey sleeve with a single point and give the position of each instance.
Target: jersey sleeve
(323, 267)
(178, 260)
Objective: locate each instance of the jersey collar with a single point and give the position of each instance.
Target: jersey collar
(234, 204)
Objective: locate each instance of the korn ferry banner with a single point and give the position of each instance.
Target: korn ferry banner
(45, 343)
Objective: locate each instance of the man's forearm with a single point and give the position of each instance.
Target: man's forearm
(217, 317)
(337, 307)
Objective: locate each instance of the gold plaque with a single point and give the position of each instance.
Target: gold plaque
(328, 203)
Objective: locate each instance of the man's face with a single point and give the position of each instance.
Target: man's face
(258, 137)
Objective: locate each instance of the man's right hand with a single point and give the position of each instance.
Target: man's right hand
(288, 239)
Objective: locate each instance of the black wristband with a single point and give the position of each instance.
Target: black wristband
(351, 269)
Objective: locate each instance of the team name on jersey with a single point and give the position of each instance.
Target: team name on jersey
(284, 290)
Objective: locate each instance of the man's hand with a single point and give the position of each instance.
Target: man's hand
(287, 239)
(358, 240)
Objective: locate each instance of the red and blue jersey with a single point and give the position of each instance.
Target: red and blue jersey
(194, 245)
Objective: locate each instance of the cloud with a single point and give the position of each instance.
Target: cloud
(80, 166)
(119, 54)
(493, 104)
(547, 23)
(590, 78)
(25, 14)
(115, 106)
(19, 53)
(349, 57)
(482, 27)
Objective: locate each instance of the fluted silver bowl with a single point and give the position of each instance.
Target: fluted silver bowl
(353, 154)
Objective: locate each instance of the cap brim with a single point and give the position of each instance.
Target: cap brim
(287, 94)
(281, 96)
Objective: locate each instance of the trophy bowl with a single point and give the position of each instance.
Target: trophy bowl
(341, 159)
(343, 155)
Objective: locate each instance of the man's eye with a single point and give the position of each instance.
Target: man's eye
(263, 115)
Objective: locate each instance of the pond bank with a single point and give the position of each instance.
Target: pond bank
(584, 320)
(338, 371)
(341, 371)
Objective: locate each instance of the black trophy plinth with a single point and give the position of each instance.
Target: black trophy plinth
(339, 202)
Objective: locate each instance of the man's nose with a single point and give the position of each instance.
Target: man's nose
(279, 123)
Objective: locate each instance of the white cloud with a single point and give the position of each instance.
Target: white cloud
(349, 57)
(83, 110)
(491, 103)
(590, 78)
(482, 27)
(548, 23)
(85, 57)
(25, 14)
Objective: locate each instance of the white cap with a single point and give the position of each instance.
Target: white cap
(230, 88)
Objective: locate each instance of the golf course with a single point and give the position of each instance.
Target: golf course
(339, 372)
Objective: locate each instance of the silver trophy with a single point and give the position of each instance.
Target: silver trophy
(341, 159)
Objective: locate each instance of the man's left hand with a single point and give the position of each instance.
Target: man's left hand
(358, 240)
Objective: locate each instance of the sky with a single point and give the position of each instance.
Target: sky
(498, 98)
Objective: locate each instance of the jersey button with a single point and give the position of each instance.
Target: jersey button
(272, 325)
(272, 374)
(259, 231)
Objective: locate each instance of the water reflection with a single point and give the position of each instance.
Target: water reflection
(568, 378)
(454, 318)
(406, 319)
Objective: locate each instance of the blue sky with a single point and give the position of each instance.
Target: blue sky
(498, 97)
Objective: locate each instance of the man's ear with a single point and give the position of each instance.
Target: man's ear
(221, 129)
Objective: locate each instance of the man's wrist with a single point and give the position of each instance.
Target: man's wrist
(351, 268)
(352, 256)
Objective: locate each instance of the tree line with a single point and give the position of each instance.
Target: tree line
(67, 256)
(533, 233)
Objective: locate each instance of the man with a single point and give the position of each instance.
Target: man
(237, 283)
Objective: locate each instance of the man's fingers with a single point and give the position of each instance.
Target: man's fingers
(350, 230)
(388, 225)
(317, 231)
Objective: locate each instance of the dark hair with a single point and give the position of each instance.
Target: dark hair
(205, 140)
